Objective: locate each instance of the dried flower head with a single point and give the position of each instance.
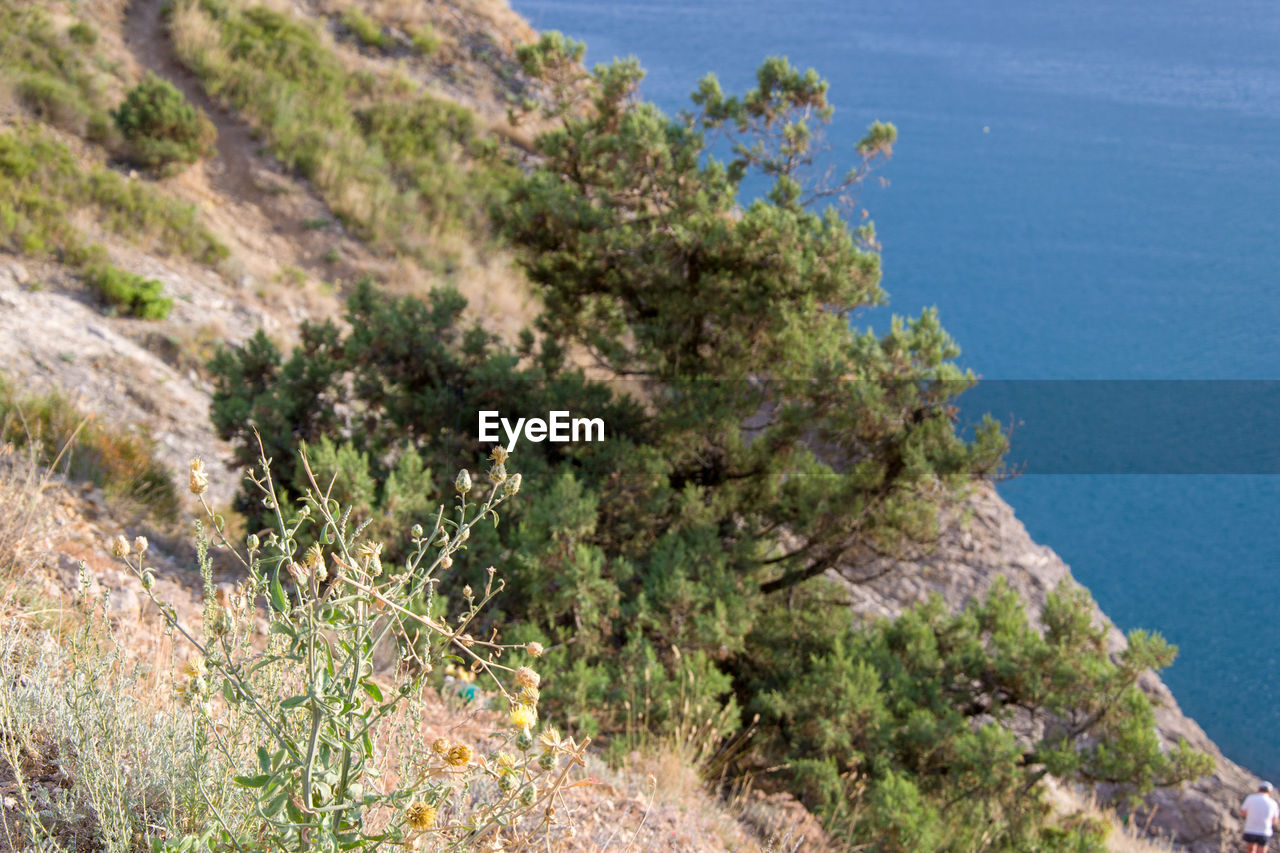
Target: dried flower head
(499, 454)
(550, 739)
(526, 677)
(119, 546)
(199, 482)
(140, 544)
(523, 716)
(458, 756)
(534, 649)
(446, 561)
(419, 816)
(440, 746)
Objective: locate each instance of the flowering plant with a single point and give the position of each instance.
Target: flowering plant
(326, 752)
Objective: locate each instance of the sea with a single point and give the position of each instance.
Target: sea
(1088, 191)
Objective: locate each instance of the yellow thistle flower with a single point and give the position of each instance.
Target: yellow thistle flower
(506, 760)
(523, 716)
(440, 746)
(420, 816)
(526, 677)
(529, 695)
(458, 756)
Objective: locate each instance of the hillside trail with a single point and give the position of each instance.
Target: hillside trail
(147, 38)
(270, 213)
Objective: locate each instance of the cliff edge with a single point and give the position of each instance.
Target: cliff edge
(981, 540)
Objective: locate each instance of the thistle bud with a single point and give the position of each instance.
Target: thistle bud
(416, 531)
(466, 591)
(199, 482)
(513, 485)
(252, 541)
(498, 472)
(140, 544)
(148, 580)
(529, 795)
(463, 483)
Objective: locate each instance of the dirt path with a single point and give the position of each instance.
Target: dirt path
(233, 173)
(246, 195)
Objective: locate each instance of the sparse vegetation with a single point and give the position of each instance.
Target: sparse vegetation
(397, 183)
(162, 129)
(54, 72)
(42, 184)
(57, 435)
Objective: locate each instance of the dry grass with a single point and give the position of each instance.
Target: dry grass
(1124, 838)
(25, 519)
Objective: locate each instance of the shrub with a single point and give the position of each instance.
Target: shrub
(425, 40)
(135, 295)
(367, 30)
(161, 127)
(82, 32)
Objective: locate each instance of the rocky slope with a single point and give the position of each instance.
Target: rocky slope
(982, 540)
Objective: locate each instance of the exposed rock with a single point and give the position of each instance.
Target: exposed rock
(982, 540)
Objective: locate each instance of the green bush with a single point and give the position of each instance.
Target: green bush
(367, 30)
(133, 294)
(161, 127)
(425, 40)
(82, 32)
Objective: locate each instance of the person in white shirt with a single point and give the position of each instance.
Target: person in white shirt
(1261, 817)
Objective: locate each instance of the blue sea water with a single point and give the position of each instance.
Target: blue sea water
(1086, 190)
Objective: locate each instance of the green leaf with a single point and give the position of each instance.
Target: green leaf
(294, 701)
(252, 781)
(278, 599)
(264, 760)
(374, 691)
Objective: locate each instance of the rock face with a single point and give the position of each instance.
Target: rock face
(982, 540)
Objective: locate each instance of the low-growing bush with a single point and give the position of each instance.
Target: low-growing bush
(367, 30)
(140, 297)
(162, 128)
